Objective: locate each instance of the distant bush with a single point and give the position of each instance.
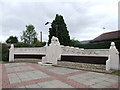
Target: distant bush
(100, 45)
(21, 44)
(74, 43)
(97, 45)
(5, 52)
(37, 44)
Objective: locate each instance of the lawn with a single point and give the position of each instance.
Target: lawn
(3, 62)
(116, 72)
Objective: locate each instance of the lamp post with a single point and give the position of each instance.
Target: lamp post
(56, 32)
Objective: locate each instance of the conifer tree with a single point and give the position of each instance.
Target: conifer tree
(59, 30)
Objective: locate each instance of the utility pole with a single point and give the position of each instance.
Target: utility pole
(41, 36)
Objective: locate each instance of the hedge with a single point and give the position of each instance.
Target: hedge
(37, 44)
(5, 52)
(100, 45)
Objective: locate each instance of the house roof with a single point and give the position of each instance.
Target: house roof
(114, 35)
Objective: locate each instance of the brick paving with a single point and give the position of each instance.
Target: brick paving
(0, 76)
(28, 75)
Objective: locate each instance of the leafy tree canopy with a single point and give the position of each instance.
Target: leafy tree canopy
(12, 39)
(29, 35)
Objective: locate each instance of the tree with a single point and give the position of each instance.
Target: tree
(59, 30)
(12, 39)
(29, 35)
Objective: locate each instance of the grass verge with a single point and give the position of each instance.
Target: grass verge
(3, 62)
(117, 72)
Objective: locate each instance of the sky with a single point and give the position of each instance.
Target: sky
(85, 19)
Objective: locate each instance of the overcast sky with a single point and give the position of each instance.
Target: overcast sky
(85, 19)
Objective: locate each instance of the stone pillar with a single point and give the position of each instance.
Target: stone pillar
(113, 59)
(11, 53)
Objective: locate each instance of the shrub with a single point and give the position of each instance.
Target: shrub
(74, 43)
(21, 44)
(5, 52)
(100, 45)
(39, 44)
(97, 45)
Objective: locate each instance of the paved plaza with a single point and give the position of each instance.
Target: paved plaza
(29, 75)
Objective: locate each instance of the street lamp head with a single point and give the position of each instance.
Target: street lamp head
(47, 23)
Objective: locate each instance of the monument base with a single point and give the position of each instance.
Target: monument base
(46, 64)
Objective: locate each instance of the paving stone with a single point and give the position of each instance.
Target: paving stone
(17, 69)
(47, 66)
(105, 83)
(31, 75)
(112, 80)
(102, 78)
(40, 75)
(63, 70)
(74, 76)
(100, 74)
(25, 79)
(54, 84)
(14, 80)
(95, 80)
(12, 75)
(22, 87)
(47, 86)
(60, 84)
(88, 83)
(32, 86)
(108, 76)
(22, 76)
(10, 69)
(98, 86)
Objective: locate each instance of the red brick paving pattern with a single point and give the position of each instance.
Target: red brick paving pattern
(53, 76)
(62, 78)
(0, 76)
(5, 80)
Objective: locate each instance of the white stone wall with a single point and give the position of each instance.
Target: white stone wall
(55, 50)
(66, 50)
(71, 50)
(36, 50)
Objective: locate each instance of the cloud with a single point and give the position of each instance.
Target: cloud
(84, 19)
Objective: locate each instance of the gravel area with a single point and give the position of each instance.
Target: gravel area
(84, 66)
